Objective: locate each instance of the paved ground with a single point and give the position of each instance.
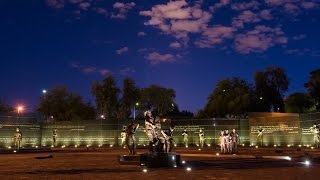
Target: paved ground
(250, 163)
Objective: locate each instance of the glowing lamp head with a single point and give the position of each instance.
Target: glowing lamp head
(20, 108)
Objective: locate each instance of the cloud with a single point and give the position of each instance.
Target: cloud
(90, 69)
(259, 39)
(84, 5)
(175, 45)
(157, 58)
(299, 37)
(303, 52)
(245, 17)
(101, 11)
(123, 9)
(309, 5)
(105, 72)
(127, 71)
(57, 4)
(214, 35)
(292, 7)
(141, 34)
(219, 5)
(122, 50)
(177, 18)
(245, 5)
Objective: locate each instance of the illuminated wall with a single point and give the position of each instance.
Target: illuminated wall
(279, 128)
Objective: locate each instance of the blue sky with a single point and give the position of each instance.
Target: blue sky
(184, 45)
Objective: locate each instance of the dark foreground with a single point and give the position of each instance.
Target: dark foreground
(250, 163)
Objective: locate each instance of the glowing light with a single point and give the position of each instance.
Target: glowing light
(14, 151)
(175, 166)
(9, 147)
(188, 168)
(217, 154)
(36, 146)
(111, 145)
(198, 145)
(300, 145)
(175, 145)
(257, 146)
(307, 162)
(99, 146)
(20, 108)
(44, 91)
(75, 146)
(287, 158)
(145, 170)
(209, 145)
(52, 146)
(288, 145)
(183, 162)
(233, 154)
(173, 158)
(88, 146)
(187, 146)
(242, 144)
(307, 145)
(274, 145)
(312, 147)
(102, 116)
(199, 149)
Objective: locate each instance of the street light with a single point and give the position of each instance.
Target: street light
(44, 91)
(134, 110)
(20, 108)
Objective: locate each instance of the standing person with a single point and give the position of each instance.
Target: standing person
(149, 128)
(185, 137)
(201, 138)
(315, 129)
(17, 137)
(227, 141)
(234, 141)
(260, 136)
(222, 143)
(123, 136)
(54, 136)
(168, 138)
(130, 138)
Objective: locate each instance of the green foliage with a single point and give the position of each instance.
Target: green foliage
(106, 96)
(299, 103)
(5, 107)
(313, 87)
(157, 98)
(230, 96)
(65, 106)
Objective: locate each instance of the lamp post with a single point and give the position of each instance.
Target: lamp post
(134, 110)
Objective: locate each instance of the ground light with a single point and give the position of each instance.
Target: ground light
(14, 151)
(217, 154)
(183, 162)
(144, 170)
(306, 162)
(188, 169)
(287, 158)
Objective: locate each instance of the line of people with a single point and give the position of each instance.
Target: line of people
(229, 142)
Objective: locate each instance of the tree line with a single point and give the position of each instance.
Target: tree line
(111, 102)
(236, 97)
(230, 97)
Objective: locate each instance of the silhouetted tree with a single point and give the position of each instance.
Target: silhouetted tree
(313, 87)
(270, 86)
(157, 98)
(106, 96)
(130, 97)
(5, 107)
(230, 96)
(299, 103)
(65, 106)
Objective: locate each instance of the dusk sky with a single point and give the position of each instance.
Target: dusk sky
(185, 45)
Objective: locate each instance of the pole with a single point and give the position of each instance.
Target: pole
(134, 112)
